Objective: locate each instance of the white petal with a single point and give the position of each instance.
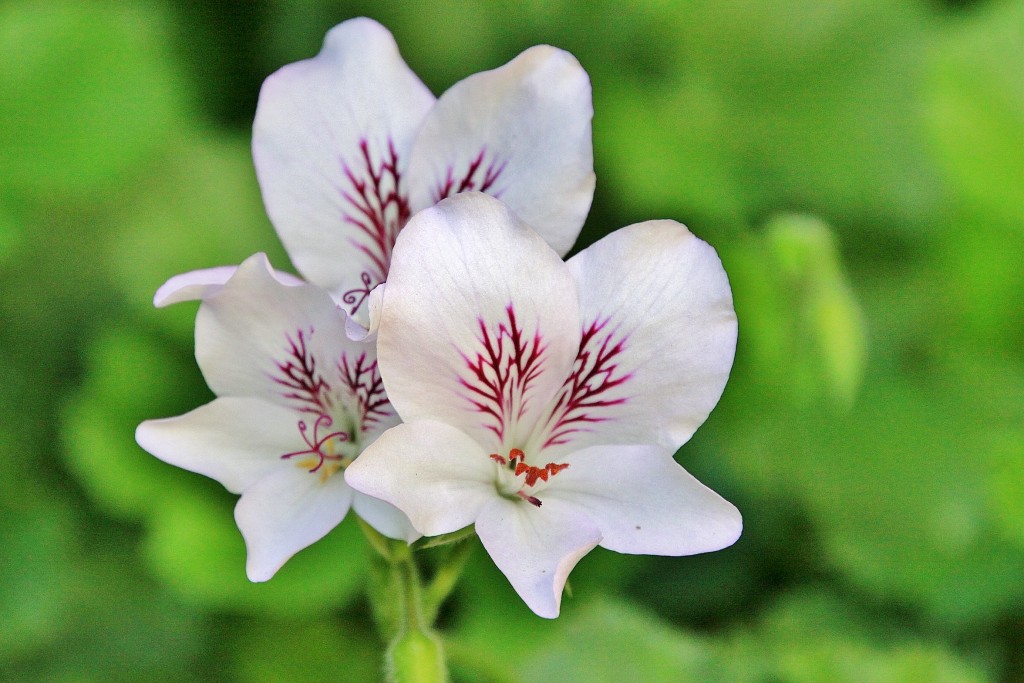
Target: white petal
(434, 473)
(236, 441)
(522, 133)
(362, 325)
(254, 331)
(467, 278)
(312, 121)
(285, 512)
(664, 335)
(536, 547)
(199, 284)
(384, 517)
(644, 502)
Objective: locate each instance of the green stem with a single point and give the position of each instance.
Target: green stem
(447, 575)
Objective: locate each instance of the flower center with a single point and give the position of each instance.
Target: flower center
(323, 454)
(515, 477)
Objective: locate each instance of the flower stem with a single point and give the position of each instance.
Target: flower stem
(415, 653)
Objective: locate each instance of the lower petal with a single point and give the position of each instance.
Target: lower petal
(645, 503)
(431, 471)
(285, 512)
(536, 547)
(384, 517)
(236, 441)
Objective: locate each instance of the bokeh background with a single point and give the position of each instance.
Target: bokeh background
(859, 165)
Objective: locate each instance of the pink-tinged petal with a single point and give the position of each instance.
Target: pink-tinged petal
(432, 472)
(331, 142)
(196, 285)
(258, 338)
(480, 321)
(536, 547)
(644, 502)
(384, 517)
(286, 511)
(659, 336)
(522, 133)
(236, 441)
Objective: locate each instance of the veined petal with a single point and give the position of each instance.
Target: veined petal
(536, 547)
(258, 338)
(431, 471)
(384, 517)
(479, 324)
(522, 133)
(644, 502)
(236, 441)
(659, 335)
(284, 512)
(196, 285)
(330, 143)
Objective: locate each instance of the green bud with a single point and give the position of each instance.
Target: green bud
(416, 657)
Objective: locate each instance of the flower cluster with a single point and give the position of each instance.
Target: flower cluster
(440, 365)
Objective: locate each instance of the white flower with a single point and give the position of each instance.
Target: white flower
(543, 400)
(296, 402)
(349, 144)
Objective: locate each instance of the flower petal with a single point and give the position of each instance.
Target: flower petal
(286, 511)
(198, 284)
(236, 441)
(536, 547)
(253, 333)
(434, 473)
(330, 143)
(479, 324)
(384, 517)
(644, 502)
(521, 132)
(659, 339)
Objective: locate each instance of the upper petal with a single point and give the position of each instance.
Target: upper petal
(659, 336)
(236, 441)
(536, 547)
(285, 512)
(257, 337)
(644, 502)
(330, 143)
(479, 323)
(196, 285)
(431, 471)
(522, 133)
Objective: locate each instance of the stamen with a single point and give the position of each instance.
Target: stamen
(515, 462)
(317, 443)
(532, 500)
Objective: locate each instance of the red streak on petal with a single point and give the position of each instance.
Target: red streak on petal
(501, 371)
(590, 387)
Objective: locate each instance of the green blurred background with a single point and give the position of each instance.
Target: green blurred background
(859, 165)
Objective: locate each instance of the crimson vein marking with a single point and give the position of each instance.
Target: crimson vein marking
(299, 376)
(471, 179)
(362, 377)
(502, 371)
(595, 373)
(378, 208)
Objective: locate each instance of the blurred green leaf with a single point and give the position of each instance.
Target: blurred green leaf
(35, 571)
(90, 91)
(131, 377)
(202, 210)
(615, 642)
(310, 651)
(811, 637)
(194, 546)
(800, 323)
